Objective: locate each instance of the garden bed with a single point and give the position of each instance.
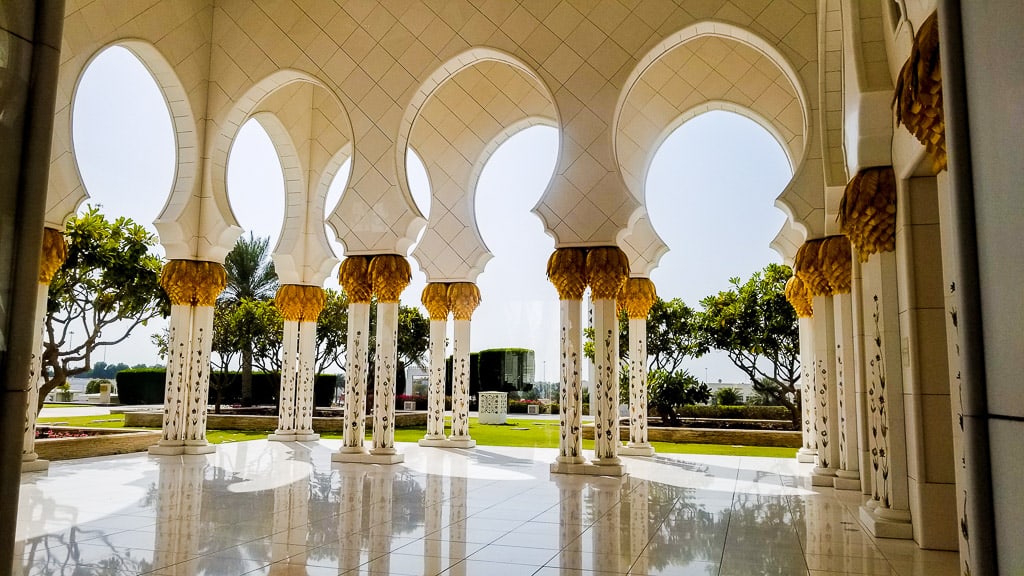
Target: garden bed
(729, 437)
(78, 442)
(266, 423)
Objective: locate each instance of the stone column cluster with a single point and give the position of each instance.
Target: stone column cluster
(460, 299)
(193, 287)
(636, 298)
(384, 276)
(300, 307)
(55, 251)
(605, 270)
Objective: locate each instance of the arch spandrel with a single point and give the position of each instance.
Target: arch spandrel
(458, 126)
(643, 246)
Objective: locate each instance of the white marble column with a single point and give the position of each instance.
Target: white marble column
(636, 299)
(298, 355)
(887, 513)
(305, 402)
(606, 387)
(825, 400)
(435, 393)
(860, 375)
(460, 437)
(352, 443)
(286, 423)
(30, 461)
(848, 471)
(385, 362)
(809, 450)
(570, 391)
(193, 287)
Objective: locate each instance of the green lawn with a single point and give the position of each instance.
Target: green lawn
(517, 432)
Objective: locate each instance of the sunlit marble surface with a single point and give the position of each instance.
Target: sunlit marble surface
(284, 508)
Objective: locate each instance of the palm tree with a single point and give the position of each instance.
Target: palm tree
(251, 276)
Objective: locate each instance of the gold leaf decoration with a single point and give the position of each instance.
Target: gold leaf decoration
(567, 270)
(867, 212)
(807, 267)
(193, 282)
(55, 252)
(918, 94)
(435, 300)
(390, 274)
(799, 297)
(636, 297)
(607, 270)
(354, 277)
(835, 264)
(463, 298)
(299, 303)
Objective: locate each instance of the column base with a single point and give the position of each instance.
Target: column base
(33, 463)
(589, 469)
(806, 456)
(448, 442)
(168, 449)
(823, 476)
(195, 449)
(636, 450)
(367, 457)
(885, 523)
(847, 480)
(292, 437)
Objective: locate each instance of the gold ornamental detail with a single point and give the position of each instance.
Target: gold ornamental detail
(636, 297)
(354, 277)
(193, 282)
(799, 297)
(607, 271)
(867, 212)
(463, 298)
(835, 263)
(567, 270)
(807, 267)
(55, 252)
(435, 300)
(918, 94)
(299, 303)
(389, 274)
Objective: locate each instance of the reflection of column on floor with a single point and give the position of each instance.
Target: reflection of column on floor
(390, 275)
(457, 520)
(381, 502)
(55, 251)
(192, 287)
(179, 503)
(607, 270)
(290, 525)
(463, 298)
(435, 300)
(607, 529)
(848, 473)
(570, 522)
(636, 298)
(299, 306)
(639, 517)
(350, 525)
(433, 505)
(567, 271)
(825, 404)
(355, 279)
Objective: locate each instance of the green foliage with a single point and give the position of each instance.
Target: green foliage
(108, 286)
(667, 391)
(506, 369)
(146, 386)
(754, 324)
(142, 386)
(735, 412)
(332, 330)
(671, 338)
(728, 397)
(250, 270)
(93, 386)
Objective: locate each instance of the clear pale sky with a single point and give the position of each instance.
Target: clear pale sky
(710, 193)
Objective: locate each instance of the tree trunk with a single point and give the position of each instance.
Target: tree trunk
(247, 376)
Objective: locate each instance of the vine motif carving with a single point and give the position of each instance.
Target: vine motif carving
(840, 393)
(821, 373)
(879, 415)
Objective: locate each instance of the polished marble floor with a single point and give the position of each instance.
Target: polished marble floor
(284, 508)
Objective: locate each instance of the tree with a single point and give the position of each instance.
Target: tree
(670, 336)
(668, 390)
(251, 277)
(332, 331)
(108, 286)
(754, 324)
(413, 340)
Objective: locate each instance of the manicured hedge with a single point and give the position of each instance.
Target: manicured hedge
(735, 412)
(146, 386)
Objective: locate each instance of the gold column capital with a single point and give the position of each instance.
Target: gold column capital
(917, 98)
(354, 276)
(300, 303)
(389, 274)
(463, 298)
(55, 252)
(867, 212)
(193, 282)
(607, 271)
(807, 267)
(636, 297)
(567, 270)
(435, 300)
(799, 297)
(835, 263)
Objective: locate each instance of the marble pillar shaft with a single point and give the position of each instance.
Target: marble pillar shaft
(460, 381)
(808, 450)
(199, 377)
(286, 423)
(570, 392)
(356, 377)
(860, 375)
(305, 396)
(825, 401)
(187, 388)
(298, 356)
(638, 383)
(385, 364)
(178, 366)
(28, 449)
(848, 472)
(606, 386)
(435, 392)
